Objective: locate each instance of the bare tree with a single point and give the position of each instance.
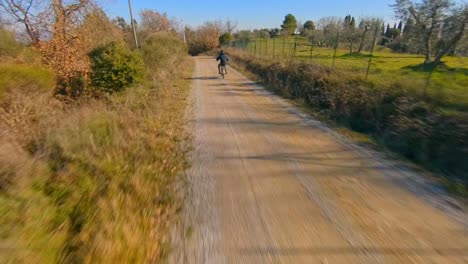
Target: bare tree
(152, 21)
(230, 26)
(32, 14)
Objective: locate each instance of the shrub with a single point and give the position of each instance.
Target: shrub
(115, 68)
(9, 47)
(225, 38)
(15, 77)
(162, 52)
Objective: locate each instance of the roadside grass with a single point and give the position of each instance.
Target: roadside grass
(384, 117)
(96, 180)
(445, 86)
(30, 78)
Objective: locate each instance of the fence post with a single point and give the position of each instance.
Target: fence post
(335, 48)
(376, 30)
(266, 47)
(260, 48)
(311, 50)
(274, 45)
(295, 47)
(282, 54)
(255, 48)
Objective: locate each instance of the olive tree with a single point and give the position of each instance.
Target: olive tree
(439, 25)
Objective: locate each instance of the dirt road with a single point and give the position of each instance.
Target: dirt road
(270, 185)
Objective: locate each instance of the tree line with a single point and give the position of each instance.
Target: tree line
(431, 28)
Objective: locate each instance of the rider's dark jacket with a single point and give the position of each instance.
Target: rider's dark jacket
(223, 59)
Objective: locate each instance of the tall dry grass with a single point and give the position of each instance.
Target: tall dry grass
(95, 180)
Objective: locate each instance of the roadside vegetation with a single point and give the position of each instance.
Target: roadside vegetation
(93, 140)
(445, 85)
(405, 86)
(405, 123)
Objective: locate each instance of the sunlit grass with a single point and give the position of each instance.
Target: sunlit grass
(445, 86)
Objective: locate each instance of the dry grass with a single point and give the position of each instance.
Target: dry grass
(92, 181)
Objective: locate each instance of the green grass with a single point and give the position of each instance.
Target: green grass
(30, 78)
(9, 47)
(446, 86)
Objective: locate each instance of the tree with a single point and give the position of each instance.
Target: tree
(429, 17)
(244, 36)
(126, 30)
(32, 14)
(364, 27)
(274, 32)
(120, 22)
(408, 26)
(103, 34)
(204, 38)
(372, 25)
(289, 24)
(316, 38)
(350, 35)
(152, 21)
(453, 31)
(53, 29)
(230, 26)
(309, 25)
(388, 31)
(331, 27)
(225, 38)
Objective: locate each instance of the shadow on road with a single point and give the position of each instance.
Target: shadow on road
(455, 252)
(203, 78)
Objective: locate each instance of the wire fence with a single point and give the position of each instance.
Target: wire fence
(446, 85)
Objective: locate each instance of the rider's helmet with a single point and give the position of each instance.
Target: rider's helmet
(221, 52)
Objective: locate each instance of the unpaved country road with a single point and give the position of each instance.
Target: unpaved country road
(269, 185)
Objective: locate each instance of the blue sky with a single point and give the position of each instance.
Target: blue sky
(254, 13)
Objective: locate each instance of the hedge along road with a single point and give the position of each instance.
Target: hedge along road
(270, 185)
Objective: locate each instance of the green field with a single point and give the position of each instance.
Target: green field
(446, 85)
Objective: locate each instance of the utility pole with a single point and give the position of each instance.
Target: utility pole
(133, 24)
(183, 29)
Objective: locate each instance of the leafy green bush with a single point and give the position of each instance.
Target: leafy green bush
(225, 38)
(25, 77)
(115, 68)
(161, 52)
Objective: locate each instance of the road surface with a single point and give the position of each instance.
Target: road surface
(271, 185)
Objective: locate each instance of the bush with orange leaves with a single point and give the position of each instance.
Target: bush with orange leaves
(64, 33)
